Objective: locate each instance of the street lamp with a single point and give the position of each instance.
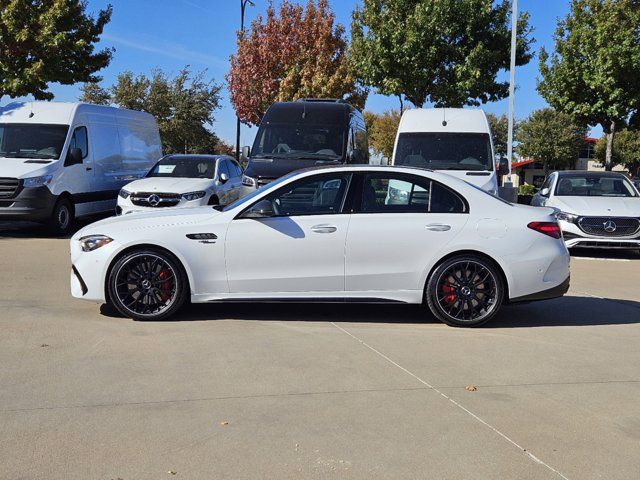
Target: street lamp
(243, 6)
(512, 82)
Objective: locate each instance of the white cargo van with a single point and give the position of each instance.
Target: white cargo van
(59, 161)
(456, 141)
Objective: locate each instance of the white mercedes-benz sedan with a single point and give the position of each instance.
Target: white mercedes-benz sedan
(341, 233)
(596, 209)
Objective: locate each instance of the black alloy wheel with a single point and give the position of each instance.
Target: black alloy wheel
(465, 291)
(147, 285)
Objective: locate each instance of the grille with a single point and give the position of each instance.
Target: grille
(609, 226)
(154, 199)
(9, 187)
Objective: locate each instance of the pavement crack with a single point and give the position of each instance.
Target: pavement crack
(457, 404)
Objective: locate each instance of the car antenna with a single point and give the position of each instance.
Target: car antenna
(444, 117)
(304, 110)
(31, 114)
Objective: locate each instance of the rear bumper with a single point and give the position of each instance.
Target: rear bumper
(554, 292)
(32, 204)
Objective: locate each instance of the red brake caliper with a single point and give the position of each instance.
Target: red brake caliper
(448, 290)
(165, 287)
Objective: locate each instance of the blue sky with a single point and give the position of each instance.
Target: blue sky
(171, 33)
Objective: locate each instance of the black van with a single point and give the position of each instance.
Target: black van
(301, 134)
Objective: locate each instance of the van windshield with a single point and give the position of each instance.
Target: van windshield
(28, 140)
(445, 151)
(300, 141)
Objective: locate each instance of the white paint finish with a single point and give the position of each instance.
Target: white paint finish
(389, 251)
(491, 228)
(285, 254)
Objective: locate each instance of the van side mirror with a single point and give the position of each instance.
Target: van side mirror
(503, 168)
(224, 178)
(245, 154)
(356, 156)
(262, 209)
(74, 157)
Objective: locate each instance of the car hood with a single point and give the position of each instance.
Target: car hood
(149, 220)
(169, 185)
(598, 206)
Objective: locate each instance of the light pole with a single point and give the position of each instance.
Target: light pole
(512, 82)
(243, 7)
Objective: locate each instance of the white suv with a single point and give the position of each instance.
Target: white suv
(182, 181)
(596, 209)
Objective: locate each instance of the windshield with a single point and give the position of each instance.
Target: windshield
(445, 151)
(257, 192)
(298, 140)
(184, 167)
(594, 186)
(28, 140)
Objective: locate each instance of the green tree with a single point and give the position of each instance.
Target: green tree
(93, 93)
(45, 41)
(382, 129)
(626, 150)
(594, 73)
(183, 105)
(447, 52)
(551, 137)
(295, 53)
(500, 133)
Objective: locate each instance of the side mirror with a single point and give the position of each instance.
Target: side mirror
(356, 156)
(262, 209)
(544, 192)
(74, 157)
(224, 178)
(245, 154)
(503, 168)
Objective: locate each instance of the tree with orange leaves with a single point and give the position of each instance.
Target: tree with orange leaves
(296, 53)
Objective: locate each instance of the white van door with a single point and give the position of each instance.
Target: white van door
(78, 171)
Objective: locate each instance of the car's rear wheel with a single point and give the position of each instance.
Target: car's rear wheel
(148, 284)
(465, 291)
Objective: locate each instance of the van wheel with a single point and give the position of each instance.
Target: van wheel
(465, 291)
(148, 284)
(62, 217)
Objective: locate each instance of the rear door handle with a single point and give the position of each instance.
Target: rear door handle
(323, 228)
(438, 227)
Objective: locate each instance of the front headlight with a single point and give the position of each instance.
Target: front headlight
(567, 217)
(193, 196)
(37, 181)
(93, 242)
(248, 181)
(124, 194)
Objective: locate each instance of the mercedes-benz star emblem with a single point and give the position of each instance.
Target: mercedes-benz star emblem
(153, 200)
(610, 226)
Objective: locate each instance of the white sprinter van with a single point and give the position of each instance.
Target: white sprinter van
(60, 161)
(456, 141)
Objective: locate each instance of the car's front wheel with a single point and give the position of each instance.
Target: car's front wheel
(147, 284)
(465, 291)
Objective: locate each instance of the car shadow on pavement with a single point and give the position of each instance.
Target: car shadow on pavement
(563, 312)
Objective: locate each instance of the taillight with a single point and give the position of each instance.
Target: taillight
(548, 228)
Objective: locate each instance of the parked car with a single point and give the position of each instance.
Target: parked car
(183, 181)
(597, 209)
(366, 233)
(456, 141)
(303, 134)
(59, 161)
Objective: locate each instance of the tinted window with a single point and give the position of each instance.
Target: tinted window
(223, 168)
(79, 140)
(405, 193)
(445, 151)
(184, 167)
(234, 169)
(318, 195)
(300, 140)
(594, 186)
(18, 140)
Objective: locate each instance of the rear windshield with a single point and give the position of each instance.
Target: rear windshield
(594, 186)
(184, 167)
(27, 140)
(445, 151)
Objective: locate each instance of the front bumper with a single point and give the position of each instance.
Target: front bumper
(574, 237)
(89, 270)
(125, 206)
(31, 204)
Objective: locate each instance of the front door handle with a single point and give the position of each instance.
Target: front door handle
(438, 227)
(323, 228)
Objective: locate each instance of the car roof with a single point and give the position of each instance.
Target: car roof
(584, 173)
(196, 156)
